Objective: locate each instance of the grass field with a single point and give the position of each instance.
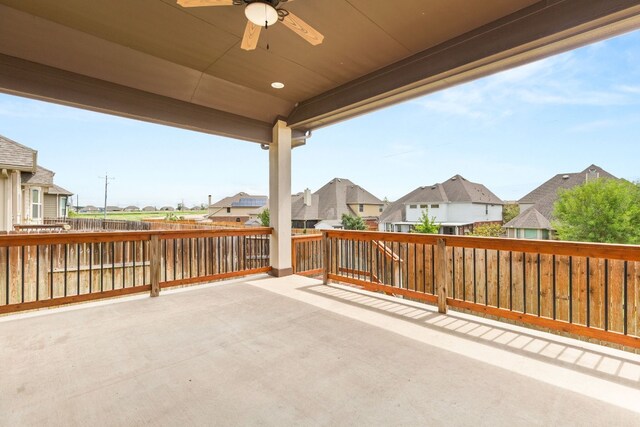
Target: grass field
(139, 216)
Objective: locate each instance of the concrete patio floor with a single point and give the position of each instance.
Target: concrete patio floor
(290, 351)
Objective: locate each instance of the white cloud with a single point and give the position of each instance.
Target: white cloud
(558, 80)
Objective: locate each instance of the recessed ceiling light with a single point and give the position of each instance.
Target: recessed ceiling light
(277, 85)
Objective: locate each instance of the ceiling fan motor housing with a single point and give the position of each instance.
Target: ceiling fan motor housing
(272, 3)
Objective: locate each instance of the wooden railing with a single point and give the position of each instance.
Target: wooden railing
(589, 290)
(307, 254)
(43, 270)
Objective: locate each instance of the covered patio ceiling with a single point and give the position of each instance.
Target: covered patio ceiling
(157, 61)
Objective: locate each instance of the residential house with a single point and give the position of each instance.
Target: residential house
(90, 209)
(149, 209)
(237, 208)
(324, 208)
(536, 208)
(456, 204)
(27, 193)
(131, 208)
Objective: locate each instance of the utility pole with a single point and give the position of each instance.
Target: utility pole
(106, 189)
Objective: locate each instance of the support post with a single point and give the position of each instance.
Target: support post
(280, 199)
(326, 261)
(441, 275)
(154, 259)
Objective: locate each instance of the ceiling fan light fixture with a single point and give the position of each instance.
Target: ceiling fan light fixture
(277, 85)
(261, 14)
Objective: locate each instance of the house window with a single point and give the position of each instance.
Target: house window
(36, 203)
(228, 210)
(424, 206)
(486, 209)
(360, 208)
(413, 206)
(530, 233)
(380, 209)
(62, 207)
(436, 206)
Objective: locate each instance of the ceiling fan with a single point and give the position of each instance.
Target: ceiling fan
(263, 13)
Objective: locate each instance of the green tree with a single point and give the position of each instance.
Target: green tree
(426, 225)
(510, 211)
(264, 218)
(487, 230)
(603, 210)
(352, 222)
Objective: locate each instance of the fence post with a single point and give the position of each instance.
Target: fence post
(325, 250)
(441, 275)
(154, 259)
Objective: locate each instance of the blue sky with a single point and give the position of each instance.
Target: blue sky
(511, 132)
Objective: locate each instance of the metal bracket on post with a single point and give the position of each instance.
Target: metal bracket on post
(441, 275)
(154, 259)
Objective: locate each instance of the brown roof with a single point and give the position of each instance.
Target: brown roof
(331, 201)
(16, 156)
(544, 197)
(456, 189)
(241, 200)
(42, 177)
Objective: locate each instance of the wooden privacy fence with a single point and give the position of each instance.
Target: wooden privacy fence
(99, 224)
(43, 270)
(307, 254)
(591, 290)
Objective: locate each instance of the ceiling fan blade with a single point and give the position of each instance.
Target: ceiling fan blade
(251, 36)
(198, 3)
(303, 29)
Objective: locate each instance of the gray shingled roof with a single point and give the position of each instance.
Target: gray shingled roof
(456, 189)
(544, 197)
(331, 201)
(42, 177)
(56, 189)
(15, 155)
(530, 218)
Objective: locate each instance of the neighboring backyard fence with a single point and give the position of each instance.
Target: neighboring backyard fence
(98, 224)
(591, 290)
(48, 270)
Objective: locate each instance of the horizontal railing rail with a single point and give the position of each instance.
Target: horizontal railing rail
(44, 270)
(307, 254)
(585, 289)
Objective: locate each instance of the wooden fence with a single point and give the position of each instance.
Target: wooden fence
(591, 290)
(42, 270)
(99, 224)
(307, 254)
